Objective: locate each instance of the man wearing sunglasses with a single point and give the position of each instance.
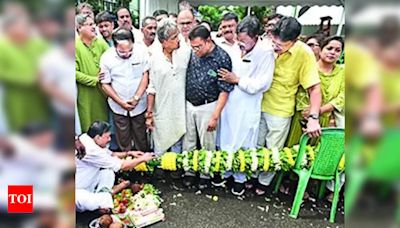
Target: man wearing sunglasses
(125, 78)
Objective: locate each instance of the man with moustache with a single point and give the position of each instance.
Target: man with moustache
(228, 41)
(149, 27)
(91, 102)
(252, 76)
(124, 19)
(105, 23)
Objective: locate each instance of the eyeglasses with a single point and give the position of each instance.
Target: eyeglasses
(197, 48)
(313, 44)
(187, 23)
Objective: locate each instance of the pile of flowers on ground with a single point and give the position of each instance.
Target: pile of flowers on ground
(246, 161)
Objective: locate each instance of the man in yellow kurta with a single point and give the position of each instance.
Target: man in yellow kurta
(295, 66)
(91, 103)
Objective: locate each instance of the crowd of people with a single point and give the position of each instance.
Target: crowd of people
(247, 85)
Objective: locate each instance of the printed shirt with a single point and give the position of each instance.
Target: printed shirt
(202, 84)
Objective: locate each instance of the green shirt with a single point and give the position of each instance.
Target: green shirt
(332, 89)
(293, 68)
(24, 101)
(91, 103)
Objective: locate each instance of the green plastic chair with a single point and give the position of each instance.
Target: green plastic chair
(324, 167)
(384, 167)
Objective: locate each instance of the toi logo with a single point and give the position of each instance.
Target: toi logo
(20, 199)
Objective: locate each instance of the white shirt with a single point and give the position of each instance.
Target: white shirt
(96, 158)
(232, 49)
(58, 69)
(241, 115)
(167, 82)
(155, 46)
(125, 76)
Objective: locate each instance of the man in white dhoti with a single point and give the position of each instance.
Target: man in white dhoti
(252, 76)
(165, 114)
(95, 168)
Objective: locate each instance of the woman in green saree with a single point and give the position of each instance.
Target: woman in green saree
(332, 88)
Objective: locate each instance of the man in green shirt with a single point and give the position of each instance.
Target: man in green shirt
(91, 102)
(24, 102)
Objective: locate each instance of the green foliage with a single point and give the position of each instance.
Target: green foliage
(213, 14)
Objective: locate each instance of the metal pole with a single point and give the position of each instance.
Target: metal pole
(340, 27)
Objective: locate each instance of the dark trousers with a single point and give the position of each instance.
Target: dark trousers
(131, 129)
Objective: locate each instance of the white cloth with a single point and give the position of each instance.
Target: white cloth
(273, 131)
(31, 165)
(154, 47)
(58, 69)
(167, 82)
(125, 76)
(240, 117)
(197, 118)
(90, 201)
(101, 198)
(137, 34)
(88, 168)
(233, 50)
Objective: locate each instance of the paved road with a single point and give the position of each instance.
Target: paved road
(184, 208)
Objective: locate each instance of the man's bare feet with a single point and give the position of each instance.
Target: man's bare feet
(119, 187)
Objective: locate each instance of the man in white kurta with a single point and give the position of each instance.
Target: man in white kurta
(166, 91)
(95, 170)
(252, 76)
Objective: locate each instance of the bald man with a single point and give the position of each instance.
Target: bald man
(185, 22)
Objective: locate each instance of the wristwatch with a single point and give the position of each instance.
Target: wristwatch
(136, 98)
(313, 116)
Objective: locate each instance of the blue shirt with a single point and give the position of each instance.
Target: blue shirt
(202, 84)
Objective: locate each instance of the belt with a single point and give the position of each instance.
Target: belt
(202, 102)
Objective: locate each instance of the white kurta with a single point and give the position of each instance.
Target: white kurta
(167, 82)
(240, 117)
(93, 172)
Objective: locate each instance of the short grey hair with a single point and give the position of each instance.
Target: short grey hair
(80, 19)
(83, 5)
(165, 29)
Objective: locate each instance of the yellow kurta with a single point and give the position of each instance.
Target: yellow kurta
(294, 68)
(332, 89)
